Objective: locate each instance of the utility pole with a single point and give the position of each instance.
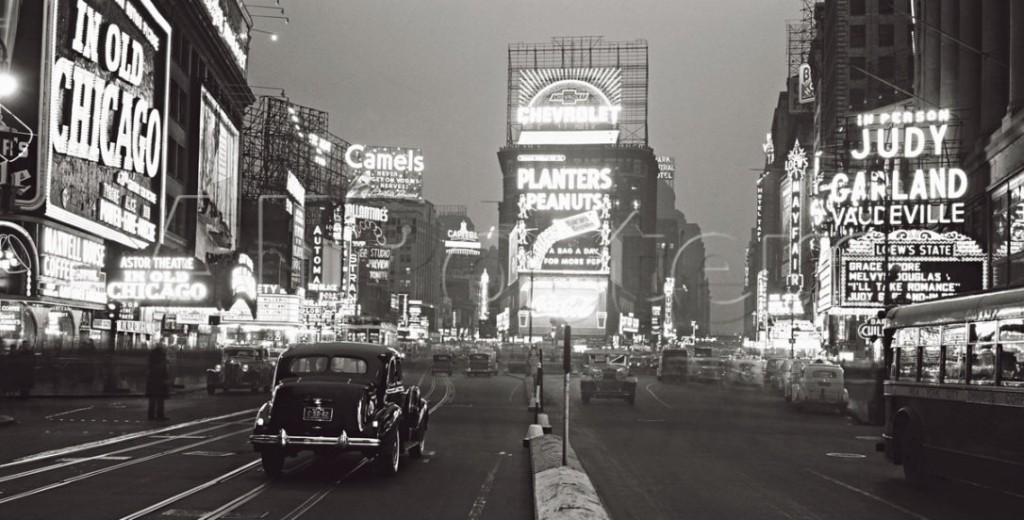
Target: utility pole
(566, 362)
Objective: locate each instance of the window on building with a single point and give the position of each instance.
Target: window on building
(886, 68)
(886, 6)
(858, 36)
(858, 7)
(857, 67)
(886, 35)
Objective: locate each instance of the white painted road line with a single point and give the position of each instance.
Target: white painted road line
(485, 490)
(869, 495)
(69, 412)
(127, 437)
(656, 398)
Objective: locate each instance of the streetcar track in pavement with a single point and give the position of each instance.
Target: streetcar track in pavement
(61, 452)
(449, 395)
(115, 467)
(100, 457)
(869, 495)
(655, 396)
(315, 499)
(187, 493)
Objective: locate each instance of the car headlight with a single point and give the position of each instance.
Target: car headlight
(217, 368)
(245, 368)
(596, 373)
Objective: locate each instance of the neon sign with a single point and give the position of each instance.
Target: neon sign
(71, 266)
(108, 93)
(796, 167)
(157, 279)
(583, 102)
(385, 172)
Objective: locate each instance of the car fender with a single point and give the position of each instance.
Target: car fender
(388, 418)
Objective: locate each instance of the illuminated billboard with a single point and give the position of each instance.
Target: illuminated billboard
(666, 167)
(160, 280)
(899, 175)
(103, 154)
(909, 266)
(579, 301)
(71, 266)
(382, 172)
(563, 218)
(569, 105)
(217, 222)
(462, 241)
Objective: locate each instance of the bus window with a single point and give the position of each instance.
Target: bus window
(983, 364)
(930, 355)
(954, 338)
(1011, 364)
(983, 332)
(1011, 331)
(907, 364)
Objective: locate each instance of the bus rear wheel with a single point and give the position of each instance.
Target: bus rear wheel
(915, 463)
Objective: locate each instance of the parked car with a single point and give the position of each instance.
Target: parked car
(772, 370)
(245, 367)
(336, 397)
(442, 364)
(791, 373)
(607, 375)
(744, 372)
(821, 385)
(482, 363)
(674, 365)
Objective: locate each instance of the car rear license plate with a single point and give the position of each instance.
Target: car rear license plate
(317, 414)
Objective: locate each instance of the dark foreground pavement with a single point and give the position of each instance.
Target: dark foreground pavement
(704, 451)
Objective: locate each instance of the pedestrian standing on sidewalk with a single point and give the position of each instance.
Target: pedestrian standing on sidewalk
(157, 387)
(26, 370)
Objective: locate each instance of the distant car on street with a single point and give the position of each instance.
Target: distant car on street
(674, 365)
(607, 375)
(744, 372)
(820, 385)
(442, 364)
(336, 397)
(241, 367)
(705, 365)
(482, 363)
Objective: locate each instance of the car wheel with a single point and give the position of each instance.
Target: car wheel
(915, 463)
(273, 462)
(416, 451)
(387, 457)
(211, 389)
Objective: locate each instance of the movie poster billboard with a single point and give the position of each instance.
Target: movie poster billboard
(579, 301)
(106, 68)
(217, 223)
(563, 219)
(384, 172)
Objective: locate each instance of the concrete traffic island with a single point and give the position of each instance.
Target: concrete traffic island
(560, 492)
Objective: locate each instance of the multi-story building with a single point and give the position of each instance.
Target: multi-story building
(82, 209)
(415, 273)
(461, 273)
(579, 188)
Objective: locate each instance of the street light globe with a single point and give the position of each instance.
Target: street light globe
(273, 37)
(7, 84)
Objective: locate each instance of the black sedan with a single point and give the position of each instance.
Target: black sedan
(335, 397)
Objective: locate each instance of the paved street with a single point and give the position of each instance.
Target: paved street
(474, 466)
(703, 451)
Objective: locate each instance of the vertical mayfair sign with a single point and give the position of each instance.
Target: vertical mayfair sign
(107, 69)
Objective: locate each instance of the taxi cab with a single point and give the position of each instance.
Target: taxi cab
(820, 384)
(607, 376)
(442, 364)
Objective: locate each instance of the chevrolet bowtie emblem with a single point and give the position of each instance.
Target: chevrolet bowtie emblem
(569, 96)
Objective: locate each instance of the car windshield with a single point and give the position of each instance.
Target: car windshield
(442, 358)
(307, 365)
(608, 359)
(824, 374)
(245, 353)
(702, 352)
(479, 357)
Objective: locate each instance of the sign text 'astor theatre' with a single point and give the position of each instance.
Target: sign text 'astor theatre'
(104, 150)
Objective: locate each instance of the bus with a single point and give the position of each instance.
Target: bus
(954, 389)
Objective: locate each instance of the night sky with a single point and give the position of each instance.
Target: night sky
(432, 74)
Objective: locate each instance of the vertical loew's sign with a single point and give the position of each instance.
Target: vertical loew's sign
(103, 148)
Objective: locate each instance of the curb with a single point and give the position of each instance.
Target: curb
(561, 492)
(7, 420)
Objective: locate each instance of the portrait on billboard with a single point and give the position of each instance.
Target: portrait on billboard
(104, 149)
(217, 223)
